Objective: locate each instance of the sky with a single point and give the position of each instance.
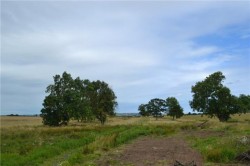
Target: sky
(142, 49)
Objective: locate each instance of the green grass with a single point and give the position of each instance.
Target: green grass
(222, 148)
(218, 150)
(33, 147)
(82, 145)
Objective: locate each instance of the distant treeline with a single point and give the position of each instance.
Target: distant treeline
(35, 115)
(117, 114)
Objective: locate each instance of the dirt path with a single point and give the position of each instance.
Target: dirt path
(149, 151)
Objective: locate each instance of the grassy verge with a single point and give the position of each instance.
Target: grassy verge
(34, 146)
(224, 141)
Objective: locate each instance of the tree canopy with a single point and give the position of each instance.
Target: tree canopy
(102, 100)
(212, 98)
(143, 110)
(174, 108)
(78, 99)
(158, 107)
(56, 105)
(244, 101)
(155, 107)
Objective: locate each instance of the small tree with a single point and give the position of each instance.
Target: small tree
(102, 99)
(143, 111)
(244, 102)
(173, 107)
(156, 107)
(212, 98)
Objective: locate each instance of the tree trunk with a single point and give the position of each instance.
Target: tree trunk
(223, 117)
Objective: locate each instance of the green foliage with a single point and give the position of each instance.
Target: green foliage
(80, 104)
(212, 98)
(174, 108)
(79, 99)
(57, 103)
(244, 102)
(155, 107)
(143, 110)
(102, 100)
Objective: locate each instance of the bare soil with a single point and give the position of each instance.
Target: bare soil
(151, 151)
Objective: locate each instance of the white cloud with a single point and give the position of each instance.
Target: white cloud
(142, 49)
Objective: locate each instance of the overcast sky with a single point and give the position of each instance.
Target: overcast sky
(143, 50)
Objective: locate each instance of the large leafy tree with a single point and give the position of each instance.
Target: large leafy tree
(103, 100)
(79, 99)
(156, 107)
(212, 98)
(57, 105)
(173, 107)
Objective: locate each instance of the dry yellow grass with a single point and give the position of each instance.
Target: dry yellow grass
(11, 121)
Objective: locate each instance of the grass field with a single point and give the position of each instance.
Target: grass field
(12, 121)
(25, 141)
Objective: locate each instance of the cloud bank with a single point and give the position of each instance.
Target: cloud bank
(143, 50)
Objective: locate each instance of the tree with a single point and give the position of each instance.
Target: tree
(57, 104)
(156, 107)
(244, 101)
(79, 99)
(213, 99)
(103, 100)
(143, 111)
(81, 109)
(173, 107)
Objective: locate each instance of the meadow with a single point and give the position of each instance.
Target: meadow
(25, 141)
